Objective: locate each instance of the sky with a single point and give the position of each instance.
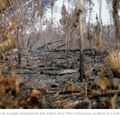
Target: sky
(59, 3)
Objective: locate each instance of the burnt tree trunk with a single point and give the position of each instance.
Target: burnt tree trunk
(80, 8)
(19, 54)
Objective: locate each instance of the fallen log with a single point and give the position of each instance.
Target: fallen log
(56, 47)
(71, 104)
(68, 71)
(44, 45)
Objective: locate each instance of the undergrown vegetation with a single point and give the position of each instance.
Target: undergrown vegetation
(72, 63)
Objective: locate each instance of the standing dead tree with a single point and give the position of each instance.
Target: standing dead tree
(52, 6)
(100, 16)
(90, 35)
(116, 19)
(32, 16)
(80, 9)
(41, 10)
(64, 22)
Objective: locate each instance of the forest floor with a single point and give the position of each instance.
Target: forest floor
(57, 79)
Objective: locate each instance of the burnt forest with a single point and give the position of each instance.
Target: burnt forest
(59, 57)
